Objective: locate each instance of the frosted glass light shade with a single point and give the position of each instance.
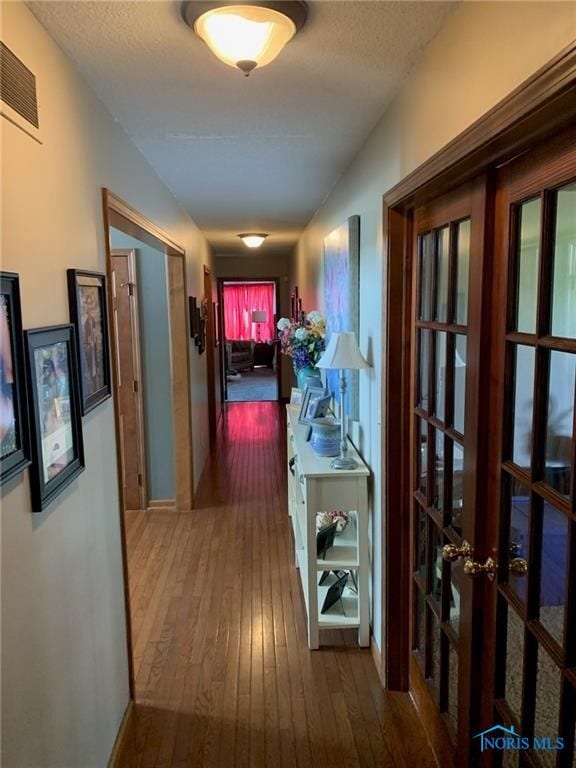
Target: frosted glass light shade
(245, 36)
(342, 353)
(253, 239)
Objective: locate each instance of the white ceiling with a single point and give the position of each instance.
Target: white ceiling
(258, 153)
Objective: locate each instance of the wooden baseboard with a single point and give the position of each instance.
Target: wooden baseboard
(377, 657)
(161, 504)
(124, 751)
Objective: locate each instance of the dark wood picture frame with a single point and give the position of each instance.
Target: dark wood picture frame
(216, 312)
(295, 305)
(91, 322)
(15, 427)
(55, 403)
(193, 316)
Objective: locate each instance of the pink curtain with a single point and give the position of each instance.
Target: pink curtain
(260, 297)
(240, 300)
(234, 310)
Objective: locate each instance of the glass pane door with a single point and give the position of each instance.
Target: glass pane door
(442, 243)
(535, 644)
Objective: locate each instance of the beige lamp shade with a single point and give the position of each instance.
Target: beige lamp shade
(342, 353)
(245, 36)
(258, 316)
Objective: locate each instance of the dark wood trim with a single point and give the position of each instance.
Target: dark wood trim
(537, 109)
(210, 337)
(540, 106)
(396, 450)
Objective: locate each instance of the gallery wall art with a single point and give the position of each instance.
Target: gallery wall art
(341, 299)
(89, 314)
(14, 425)
(54, 397)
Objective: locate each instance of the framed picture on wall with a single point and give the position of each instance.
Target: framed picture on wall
(89, 314)
(14, 425)
(295, 304)
(192, 313)
(342, 299)
(55, 401)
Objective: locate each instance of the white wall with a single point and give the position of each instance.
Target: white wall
(64, 662)
(483, 52)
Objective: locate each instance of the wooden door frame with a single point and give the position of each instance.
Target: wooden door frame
(538, 108)
(210, 344)
(118, 214)
(130, 254)
(276, 281)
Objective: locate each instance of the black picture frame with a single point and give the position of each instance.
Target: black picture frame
(325, 539)
(334, 593)
(87, 300)
(14, 422)
(294, 308)
(55, 411)
(197, 324)
(192, 315)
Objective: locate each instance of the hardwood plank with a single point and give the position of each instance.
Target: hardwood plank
(224, 676)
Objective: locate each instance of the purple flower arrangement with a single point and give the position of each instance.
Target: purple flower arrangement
(303, 341)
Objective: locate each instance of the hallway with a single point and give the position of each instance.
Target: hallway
(223, 673)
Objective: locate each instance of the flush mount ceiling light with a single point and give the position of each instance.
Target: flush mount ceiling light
(245, 35)
(252, 239)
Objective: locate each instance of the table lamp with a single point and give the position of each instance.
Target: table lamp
(258, 316)
(342, 354)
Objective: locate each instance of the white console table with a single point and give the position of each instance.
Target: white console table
(314, 487)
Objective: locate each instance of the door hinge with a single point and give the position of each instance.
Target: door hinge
(135, 385)
(140, 478)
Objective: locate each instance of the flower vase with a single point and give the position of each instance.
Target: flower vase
(307, 375)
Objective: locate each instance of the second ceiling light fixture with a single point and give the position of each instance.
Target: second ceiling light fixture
(245, 35)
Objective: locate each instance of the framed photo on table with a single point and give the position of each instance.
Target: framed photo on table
(308, 406)
(14, 425)
(54, 396)
(89, 314)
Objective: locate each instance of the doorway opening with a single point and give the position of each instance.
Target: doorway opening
(250, 358)
(151, 373)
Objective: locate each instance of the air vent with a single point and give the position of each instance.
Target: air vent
(19, 102)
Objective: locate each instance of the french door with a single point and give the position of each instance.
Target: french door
(493, 620)
(447, 299)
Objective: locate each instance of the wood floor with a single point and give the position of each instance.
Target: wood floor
(223, 673)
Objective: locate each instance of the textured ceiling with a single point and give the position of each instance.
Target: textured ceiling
(258, 153)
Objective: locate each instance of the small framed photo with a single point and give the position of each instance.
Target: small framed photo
(55, 400)
(311, 395)
(296, 396)
(14, 424)
(89, 314)
(321, 407)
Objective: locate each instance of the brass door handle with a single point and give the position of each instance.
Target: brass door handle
(452, 552)
(474, 568)
(519, 566)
